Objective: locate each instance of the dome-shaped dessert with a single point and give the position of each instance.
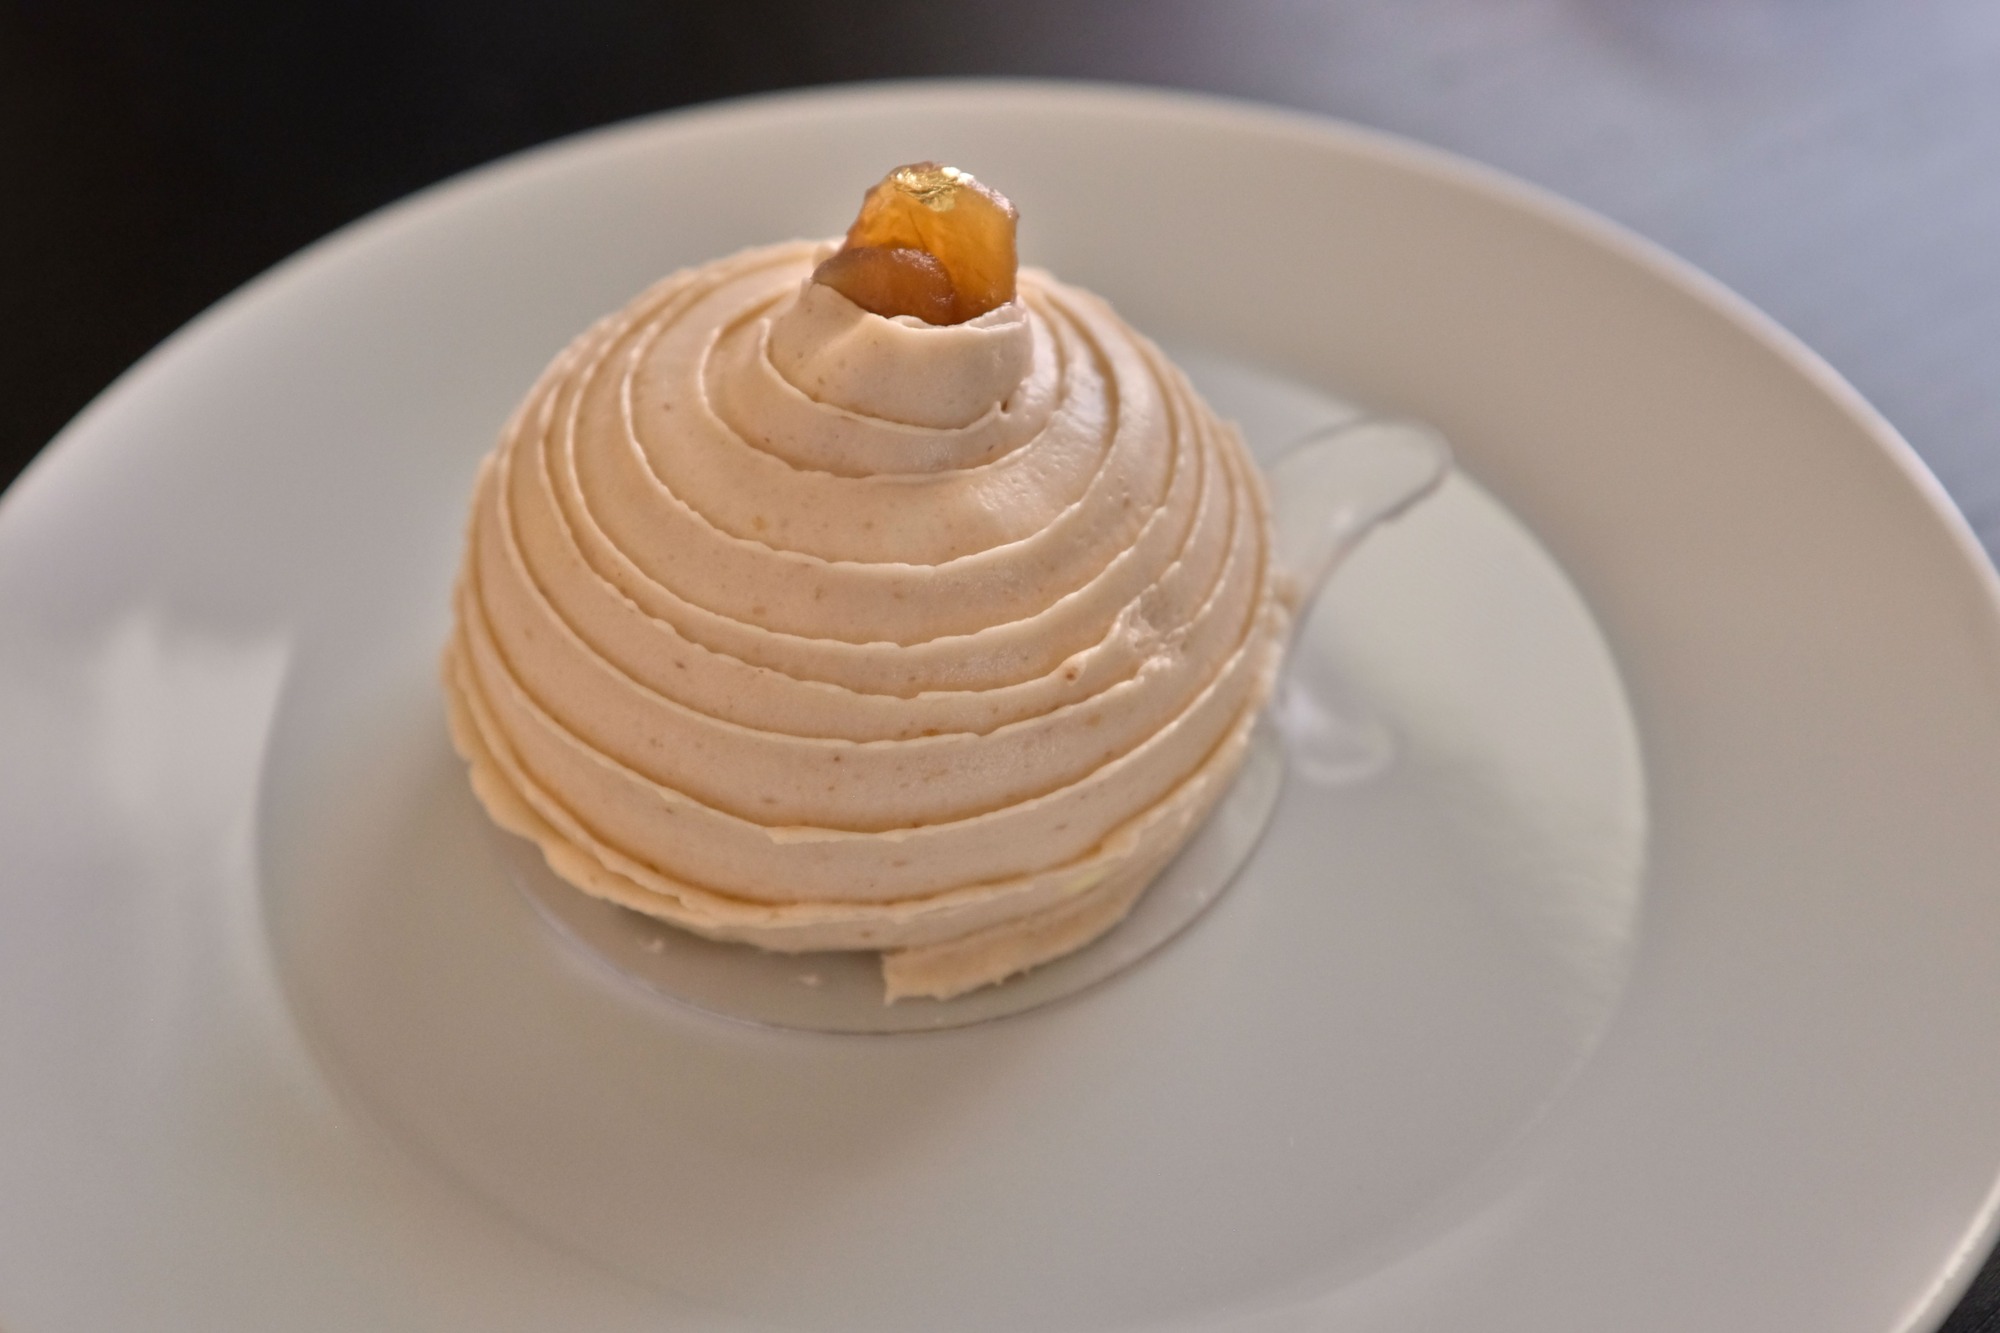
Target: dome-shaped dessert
(807, 626)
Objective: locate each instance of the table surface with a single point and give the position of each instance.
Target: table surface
(1836, 161)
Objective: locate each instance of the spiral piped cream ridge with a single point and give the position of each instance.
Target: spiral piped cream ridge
(801, 627)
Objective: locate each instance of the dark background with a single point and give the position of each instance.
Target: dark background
(1838, 161)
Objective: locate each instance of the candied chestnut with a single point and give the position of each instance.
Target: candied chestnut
(930, 241)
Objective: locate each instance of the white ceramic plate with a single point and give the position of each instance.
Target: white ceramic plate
(1649, 988)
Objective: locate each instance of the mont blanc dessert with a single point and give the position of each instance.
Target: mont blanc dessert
(866, 595)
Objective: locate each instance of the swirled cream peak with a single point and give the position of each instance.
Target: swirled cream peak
(803, 626)
(901, 370)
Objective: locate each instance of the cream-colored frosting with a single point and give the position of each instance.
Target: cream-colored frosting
(798, 626)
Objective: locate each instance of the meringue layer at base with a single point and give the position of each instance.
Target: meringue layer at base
(804, 628)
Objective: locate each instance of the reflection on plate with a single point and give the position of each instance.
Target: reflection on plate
(276, 1035)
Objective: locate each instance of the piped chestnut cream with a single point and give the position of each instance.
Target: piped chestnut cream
(876, 596)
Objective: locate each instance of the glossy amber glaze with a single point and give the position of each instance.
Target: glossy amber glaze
(930, 241)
